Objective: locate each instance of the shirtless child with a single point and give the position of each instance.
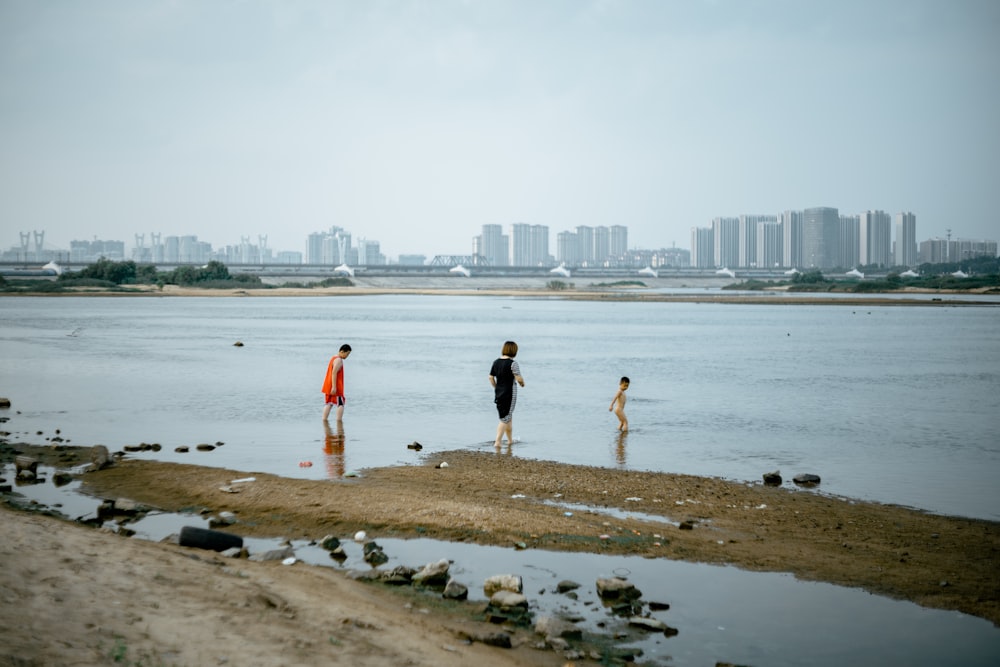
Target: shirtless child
(618, 404)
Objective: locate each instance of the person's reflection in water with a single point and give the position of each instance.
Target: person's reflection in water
(620, 447)
(333, 448)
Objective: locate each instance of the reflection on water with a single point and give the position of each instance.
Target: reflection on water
(333, 450)
(620, 448)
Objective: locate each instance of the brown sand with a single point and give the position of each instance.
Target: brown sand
(105, 593)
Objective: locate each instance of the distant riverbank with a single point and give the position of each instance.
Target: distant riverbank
(697, 290)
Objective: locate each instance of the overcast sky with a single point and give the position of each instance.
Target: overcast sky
(414, 123)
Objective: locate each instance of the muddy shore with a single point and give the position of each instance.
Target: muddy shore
(500, 499)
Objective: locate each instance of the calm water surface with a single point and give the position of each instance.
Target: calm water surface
(895, 404)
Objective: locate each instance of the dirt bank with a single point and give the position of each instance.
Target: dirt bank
(498, 499)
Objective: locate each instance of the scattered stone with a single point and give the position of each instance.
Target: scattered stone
(415, 446)
(687, 525)
(26, 463)
(772, 478)
(433, 574)
(274, 554)
(374, 555)
(649, 624)
(806, 479)
(99, 458)
(454, 590)
(223, 519)
(330, 543)
(204, 447)
(565, 586)
(551, 627)
(4, 402)
(503, 582)
(26, 475)
(508, 607)
(658, 606)
(238, 344)
(614, 588)
(183, 449)
(399, 576)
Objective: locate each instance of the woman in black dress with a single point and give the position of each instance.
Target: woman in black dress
(505, 375)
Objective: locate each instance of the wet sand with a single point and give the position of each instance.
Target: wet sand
(501, 499)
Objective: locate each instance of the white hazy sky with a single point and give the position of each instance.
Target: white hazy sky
(414, 123)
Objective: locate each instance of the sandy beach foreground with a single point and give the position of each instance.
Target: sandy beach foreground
(99, 592)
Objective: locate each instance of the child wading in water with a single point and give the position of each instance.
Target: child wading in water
(618, 404)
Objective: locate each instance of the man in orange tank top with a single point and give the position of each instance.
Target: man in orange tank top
(333, 383)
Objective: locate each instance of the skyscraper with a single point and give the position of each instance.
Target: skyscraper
(748, 237)
(585, 242)
(602, 245)
(494, 246)
(529, 244)
(819, 237)
(769, 245)
(726, 238)
(906, 239)
(791, 238)
(702, 247)
(848, 245)
(568, 248)
(875, 239)
(619, 241)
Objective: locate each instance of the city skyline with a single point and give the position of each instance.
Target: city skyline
(819, 237)
(414, 122)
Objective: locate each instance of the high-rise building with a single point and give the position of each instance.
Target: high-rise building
(529, 244)
(568, 248)
(934, 251)
(585, 245)
(769, 245)
(791, 238)
(370, 253)
(602, 246)
(619, 241)
(702, 247)
(726, 239)
(330, 248)
(906, 239)
(819, 237)
(494, 246)
(875, 239)
(748, 237)
(848, 245)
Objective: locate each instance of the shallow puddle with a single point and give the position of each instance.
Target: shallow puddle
(721, 613)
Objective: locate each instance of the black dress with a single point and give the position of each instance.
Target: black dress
(505, 394)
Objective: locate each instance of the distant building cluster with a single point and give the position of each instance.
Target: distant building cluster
(528, 246)
(820, 238)
(334, 247)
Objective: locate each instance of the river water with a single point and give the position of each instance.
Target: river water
(887, 403)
